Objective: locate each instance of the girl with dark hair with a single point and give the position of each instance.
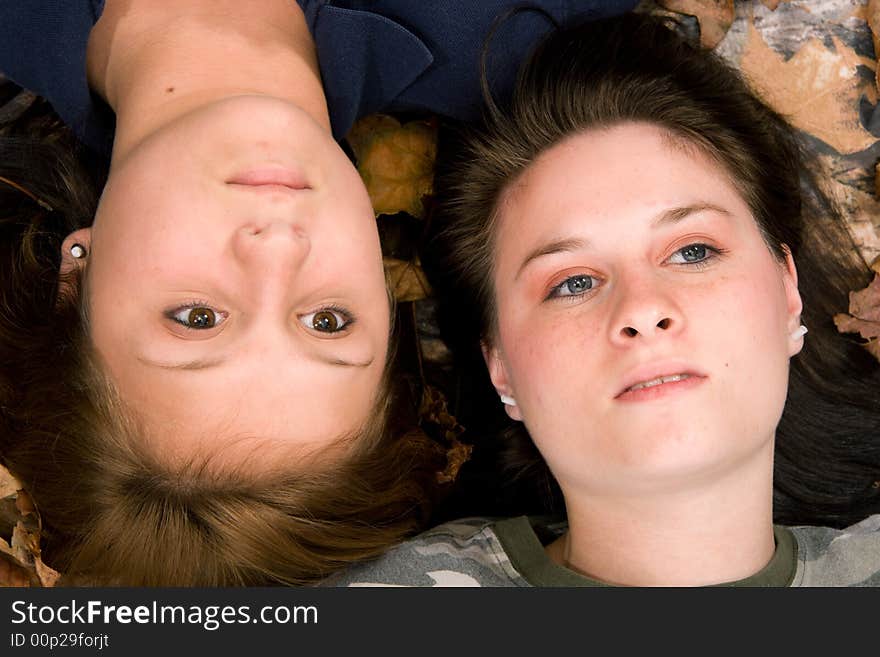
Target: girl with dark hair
(630, 246)
(195, 383)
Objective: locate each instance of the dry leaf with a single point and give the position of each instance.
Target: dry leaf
(818, 89)
(864, 314)
(47, 576)
(396, 162)
(9, 485)
(434, 410)
(406, 279)
(21, 563)
(714, 16)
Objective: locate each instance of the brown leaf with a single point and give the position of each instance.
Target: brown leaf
(9, 485)
(818, 88)
(11, 573)
(396, 162)
(434, 410)
(865, 303)
(406, 279)
(848, 324)
(864, 314)
(714, 16)
(47, 576)
(25, 504)
(772, 4)
(21, 563)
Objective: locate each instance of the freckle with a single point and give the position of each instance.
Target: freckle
(726, 364)
(169, 90)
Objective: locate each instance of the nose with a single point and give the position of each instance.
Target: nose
(271, 245)
(646, 310)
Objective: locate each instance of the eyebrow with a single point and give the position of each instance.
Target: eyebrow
(208, 363)
(665, 218)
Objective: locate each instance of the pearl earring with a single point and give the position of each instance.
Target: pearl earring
(507, 400)
(799, 332)
(78, 251)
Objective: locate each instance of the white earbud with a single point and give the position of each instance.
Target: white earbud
(508, 401)
(798, 332)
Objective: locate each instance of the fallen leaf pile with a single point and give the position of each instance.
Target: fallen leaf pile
(20, 560)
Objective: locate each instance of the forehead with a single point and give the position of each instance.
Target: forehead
(610, 172)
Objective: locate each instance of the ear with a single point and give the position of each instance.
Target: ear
(69, 264)
(498, 374)
(794, 304)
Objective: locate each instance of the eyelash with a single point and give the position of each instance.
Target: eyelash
(712, 252)
(347, 316)
(349, 319)
(189, 305)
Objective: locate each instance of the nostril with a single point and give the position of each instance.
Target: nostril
(663, 323)
(630, 331)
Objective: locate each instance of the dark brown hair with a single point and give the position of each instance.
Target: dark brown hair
(632, 68)
(113, 513)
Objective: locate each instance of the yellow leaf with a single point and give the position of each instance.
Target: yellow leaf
(715, 17)
(406, 279)
(396, 162)
(817, 89)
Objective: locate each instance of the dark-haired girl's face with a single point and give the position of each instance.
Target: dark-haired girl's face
(235, 279)
(644, 327)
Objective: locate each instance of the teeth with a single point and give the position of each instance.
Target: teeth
(659, 380)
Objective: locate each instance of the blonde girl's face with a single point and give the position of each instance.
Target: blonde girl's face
(235, 284)
(644, 326)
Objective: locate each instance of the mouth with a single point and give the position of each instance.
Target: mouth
(271, 179)
(649, 386)
(660, 380)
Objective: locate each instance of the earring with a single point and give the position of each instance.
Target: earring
(507, 400)
(798, 332)
(78, 251)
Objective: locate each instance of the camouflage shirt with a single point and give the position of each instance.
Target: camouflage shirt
(510, 552)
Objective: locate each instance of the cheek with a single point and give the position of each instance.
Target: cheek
(749, 335)
(551, 362)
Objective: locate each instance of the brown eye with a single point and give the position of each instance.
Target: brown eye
(202, 318)
(196, 317)
(327, 320)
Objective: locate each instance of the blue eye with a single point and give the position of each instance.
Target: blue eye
(197, 317)
(573, 286)
(693, 254)
(327, 320)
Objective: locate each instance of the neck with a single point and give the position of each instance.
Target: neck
(156, 61)
(709, 533)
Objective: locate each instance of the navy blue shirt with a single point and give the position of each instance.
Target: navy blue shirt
(374, 55)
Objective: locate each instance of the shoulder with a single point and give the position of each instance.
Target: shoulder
(462, 553)
(839, 557)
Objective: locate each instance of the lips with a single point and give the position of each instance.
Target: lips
(271, 177)
(657, 375)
